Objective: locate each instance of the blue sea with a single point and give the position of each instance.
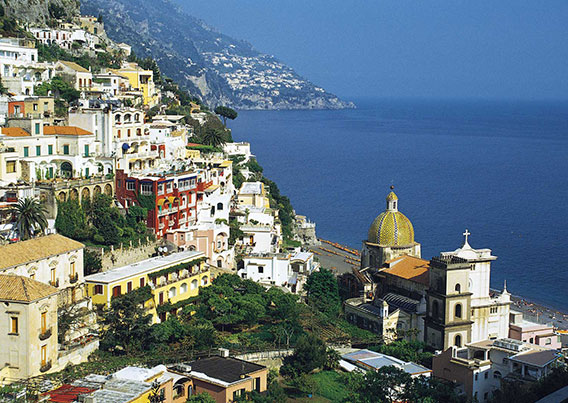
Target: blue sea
(499, 169)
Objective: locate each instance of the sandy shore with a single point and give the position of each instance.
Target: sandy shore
(341, 259)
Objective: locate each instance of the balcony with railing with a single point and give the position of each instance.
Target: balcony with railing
(46, 366)
(46, 334)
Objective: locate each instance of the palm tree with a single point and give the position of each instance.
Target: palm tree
(213, 137)
(30, 217)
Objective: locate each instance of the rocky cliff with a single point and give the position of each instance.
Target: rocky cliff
(40, 11)
(213, 66)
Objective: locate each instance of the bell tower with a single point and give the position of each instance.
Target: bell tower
(448, 306)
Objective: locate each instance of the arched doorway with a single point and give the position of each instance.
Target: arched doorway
(66, 170)
(108, 190)
(61, 196)
(73, 194)
(97, 190)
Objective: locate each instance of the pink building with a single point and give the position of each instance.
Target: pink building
(531, 332)
(213, 240)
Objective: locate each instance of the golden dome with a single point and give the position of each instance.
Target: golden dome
(392, 196)
(391, 227)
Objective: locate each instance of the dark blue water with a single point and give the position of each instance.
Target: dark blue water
(499, 169)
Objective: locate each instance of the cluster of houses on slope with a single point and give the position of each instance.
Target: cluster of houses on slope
(106, 143)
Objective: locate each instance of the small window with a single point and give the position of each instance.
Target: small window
(43, 322)
(130, 185)
(26, 151)
(129, 286)
(43, 355)
(458, 343)
(142, 282)
(458, 287)
(66, 149)
(50, 149)
(10, 167)
(458, 311)
(261, 269)
(14, 325)
(38, 150)
(98, 289)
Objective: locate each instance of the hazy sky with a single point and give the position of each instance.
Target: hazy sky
(404, 48)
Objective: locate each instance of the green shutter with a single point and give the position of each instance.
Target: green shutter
(26, 152)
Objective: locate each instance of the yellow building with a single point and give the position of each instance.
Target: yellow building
(253, 194)
(28, 328)
(142, 80)
(42, 106)
(171, 278)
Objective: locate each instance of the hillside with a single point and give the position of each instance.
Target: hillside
(213, 66)
(34, 11)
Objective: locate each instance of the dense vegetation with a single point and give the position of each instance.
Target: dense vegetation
(100, 222)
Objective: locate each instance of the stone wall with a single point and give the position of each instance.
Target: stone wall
(126, 254)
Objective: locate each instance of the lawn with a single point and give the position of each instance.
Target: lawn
(329, 387)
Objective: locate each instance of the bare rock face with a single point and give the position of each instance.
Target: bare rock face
(40, 11)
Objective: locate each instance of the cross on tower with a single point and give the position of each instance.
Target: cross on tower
(466, 234)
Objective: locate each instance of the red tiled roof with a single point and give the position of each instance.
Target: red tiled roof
(14, 132)
(67, 393)
(410, 268)
(65, 131)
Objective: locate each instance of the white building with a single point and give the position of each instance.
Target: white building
(19, 66)
(479, 368)
(279, 269)
(490, 315)
(55, 151)
(241, 148)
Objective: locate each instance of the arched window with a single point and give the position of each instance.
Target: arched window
(172, 292)
(127, 118)
(183, 288)
(458, 341)
(219, 206)
(497, 375)
(117, 118)
(194, 284)
(458, 287)
(219, 263)
(458, 310)
(435, 309)
(204, 280)
(137, 117)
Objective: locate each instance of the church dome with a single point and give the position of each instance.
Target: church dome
(391, 227)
